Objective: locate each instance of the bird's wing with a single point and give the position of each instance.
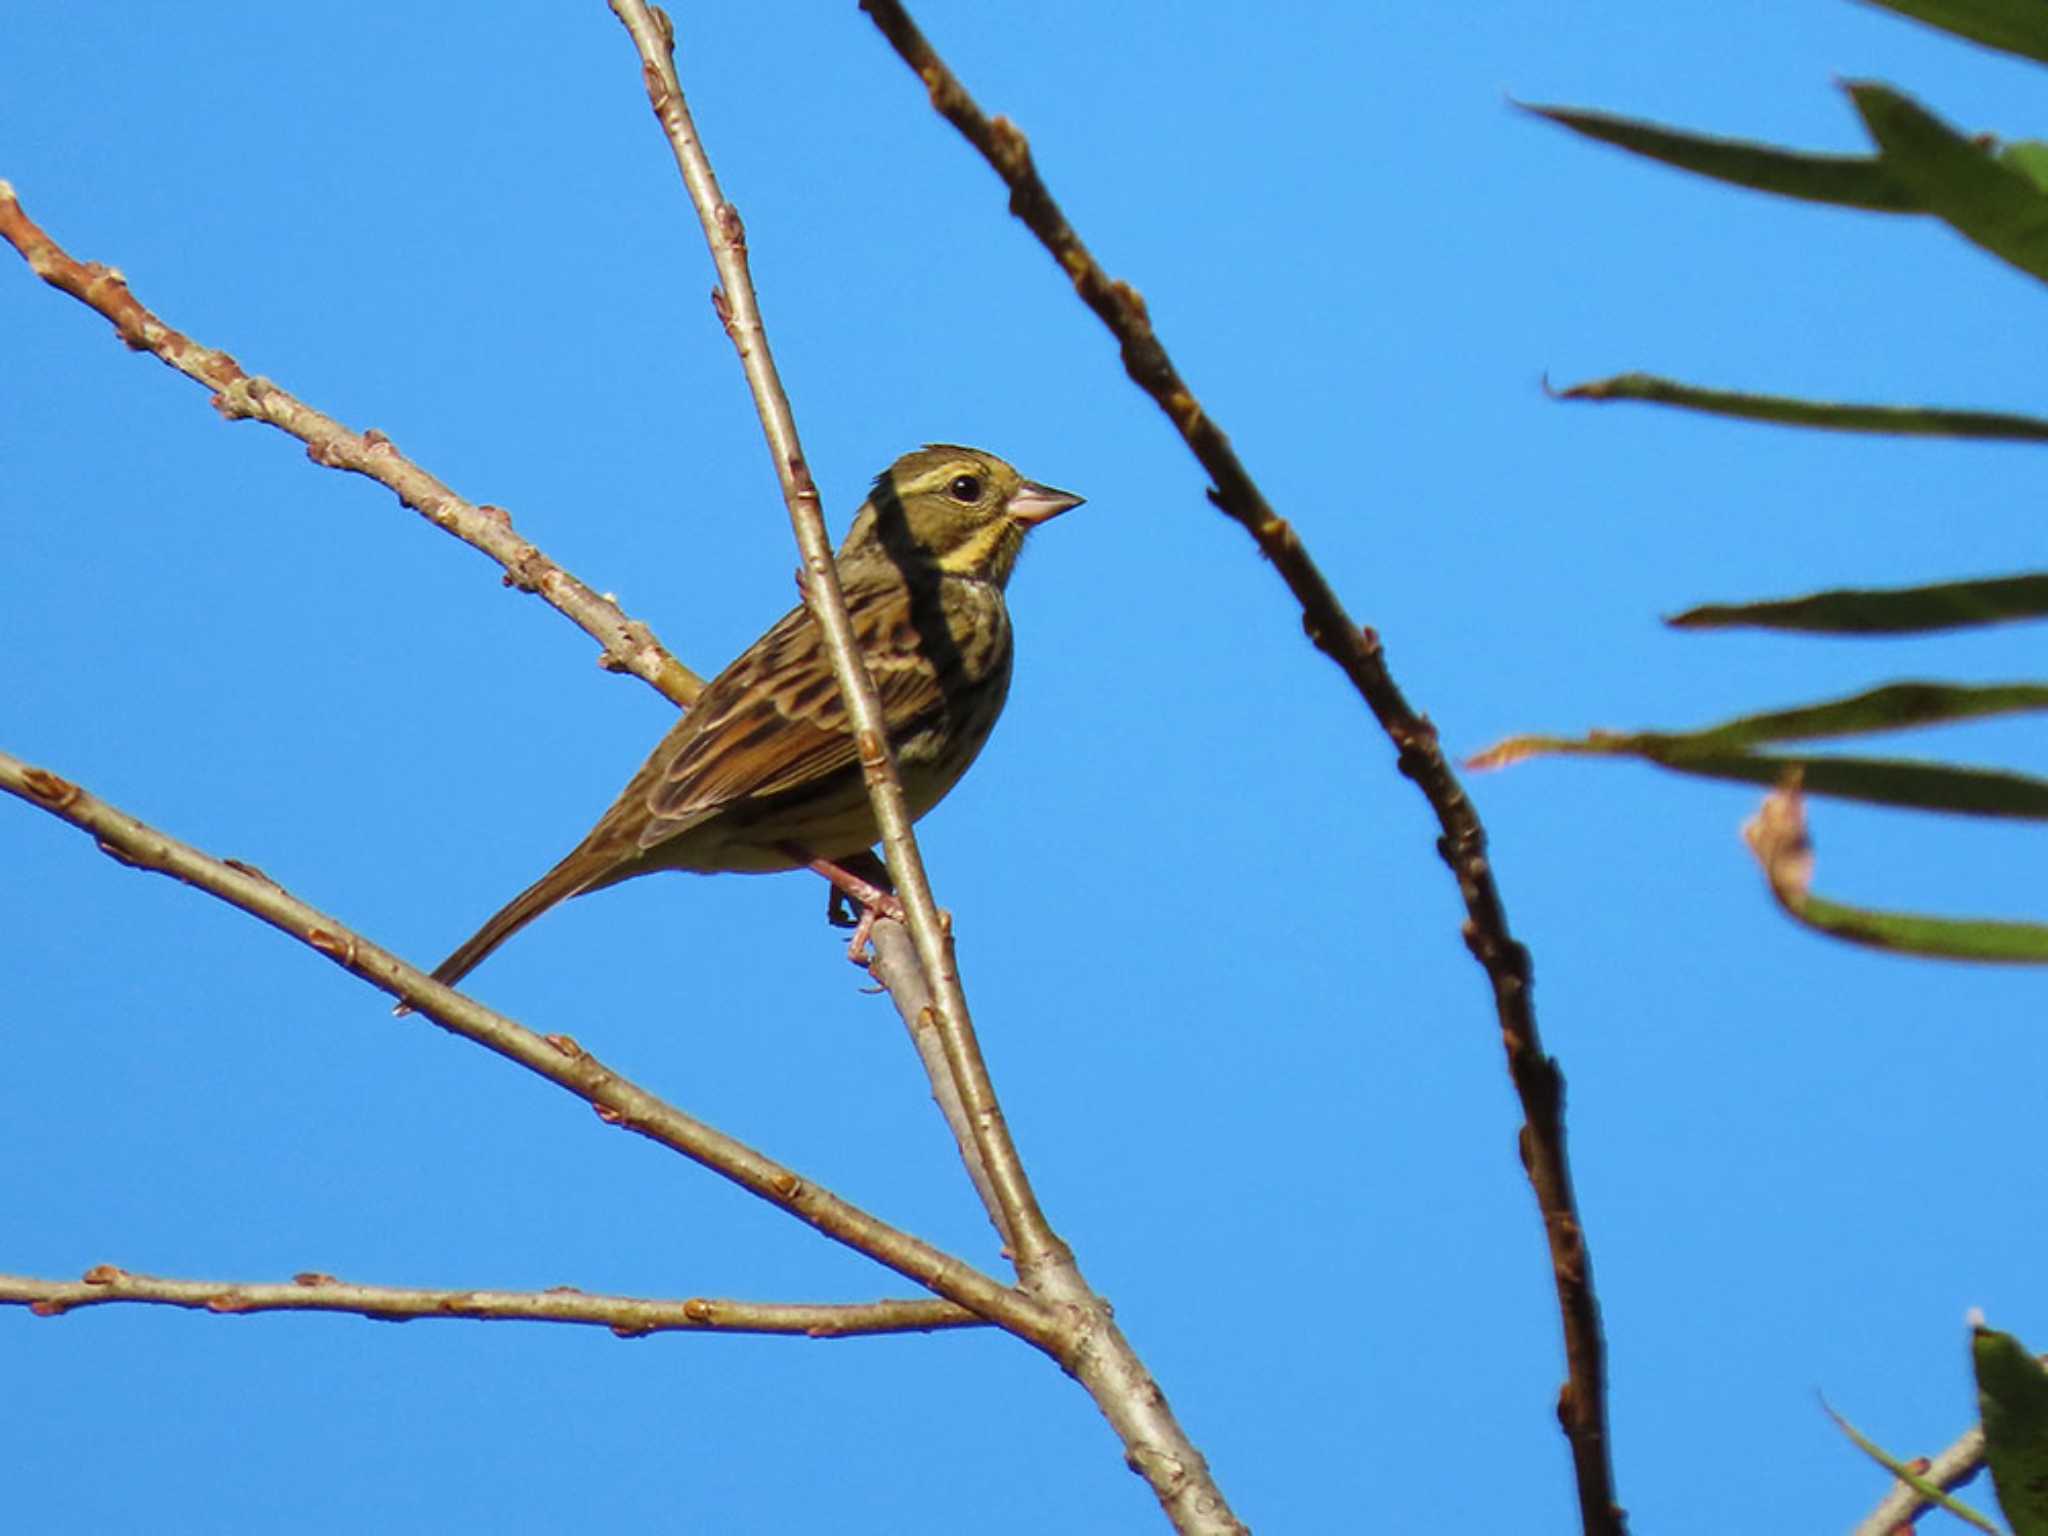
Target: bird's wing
(773, 721)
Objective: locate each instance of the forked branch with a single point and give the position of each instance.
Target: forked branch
(557, 1058)
(1032, 1241)
(1091, 1347)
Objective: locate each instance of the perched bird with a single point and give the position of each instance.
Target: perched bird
(761, 773)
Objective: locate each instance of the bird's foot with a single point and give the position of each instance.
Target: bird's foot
(860, 897)
(871, 913)
(858, 946)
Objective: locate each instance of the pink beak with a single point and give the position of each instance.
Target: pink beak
(1032, 503)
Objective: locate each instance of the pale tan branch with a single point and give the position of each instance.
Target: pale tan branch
(558, 1058)
(627, 1316)
(896, 967)
(1032, 1241)
(1948, 1471)
(1090, 1345)
(629, 645)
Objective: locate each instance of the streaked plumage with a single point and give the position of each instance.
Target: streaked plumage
(761, 773)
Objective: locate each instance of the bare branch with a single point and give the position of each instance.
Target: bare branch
(1032, 1241)
(629, 645)
(1949, 1471)
(558, 1058)
(895, 967)
(1582, 1405)
(627, 1316)
(1091, 1347)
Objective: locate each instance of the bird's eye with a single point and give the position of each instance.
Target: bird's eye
(965, 488)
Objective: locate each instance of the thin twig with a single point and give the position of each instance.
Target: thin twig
(1582, 1405)
(558, 1058)
(627, 1316)
(895, 967)
(1032, 1241)
(1091, 1347)
(1949, 1471)
(629, 645)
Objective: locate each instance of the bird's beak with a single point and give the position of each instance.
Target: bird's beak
(1032, 503)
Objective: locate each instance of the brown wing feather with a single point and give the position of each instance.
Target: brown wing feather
(774, 720)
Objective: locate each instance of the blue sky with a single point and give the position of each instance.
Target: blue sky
(1214, 959)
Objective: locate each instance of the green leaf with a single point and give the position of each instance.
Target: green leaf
(2030, 158)
(1784, 410)
(1984, 200)
(1905, 1474)
(1848, 181)
(2013, 26)
(1777, 836)
(1900, 782)
(2012, 1396)
(1883, 611)
(1986, 940)
(1892, 707)
(1722, 751)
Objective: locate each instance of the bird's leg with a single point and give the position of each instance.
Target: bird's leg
(862, 882)
(852, 878)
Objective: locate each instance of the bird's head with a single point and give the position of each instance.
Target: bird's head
(953, 510)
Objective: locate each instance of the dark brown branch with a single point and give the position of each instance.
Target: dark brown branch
(629, 645)
(1582, 1405)
(558, 1058)
(627, 1316)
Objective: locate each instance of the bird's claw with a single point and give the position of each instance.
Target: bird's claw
(871, 913)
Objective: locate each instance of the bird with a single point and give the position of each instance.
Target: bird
(761, 774)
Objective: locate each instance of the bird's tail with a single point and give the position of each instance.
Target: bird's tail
(566, 879)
